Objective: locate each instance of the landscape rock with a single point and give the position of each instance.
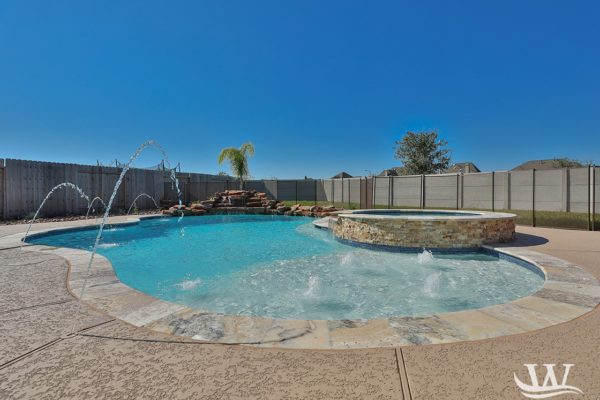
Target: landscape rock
(247, 202)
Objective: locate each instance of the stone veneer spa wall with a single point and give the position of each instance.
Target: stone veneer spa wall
(425, 228)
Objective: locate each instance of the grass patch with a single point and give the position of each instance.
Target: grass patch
(549, 219)
(351, 206)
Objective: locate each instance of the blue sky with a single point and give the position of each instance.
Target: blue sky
(317, 86)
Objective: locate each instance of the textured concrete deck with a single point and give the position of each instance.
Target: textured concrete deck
(40, 357)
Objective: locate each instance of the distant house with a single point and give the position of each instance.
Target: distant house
(342, 175)
(554, 163)
(462, 167)
(395, 171)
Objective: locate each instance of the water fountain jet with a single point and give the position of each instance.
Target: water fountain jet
(92, 203)
(59, 186)
(140, 195)
(126, 168)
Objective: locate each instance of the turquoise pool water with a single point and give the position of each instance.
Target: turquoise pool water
(413, 213)
(283, 267)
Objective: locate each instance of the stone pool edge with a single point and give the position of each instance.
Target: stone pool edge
(568, 292)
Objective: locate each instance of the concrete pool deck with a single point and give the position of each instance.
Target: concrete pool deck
(107, 358)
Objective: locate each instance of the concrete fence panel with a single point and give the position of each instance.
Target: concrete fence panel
(579, 190)
(338, 193)
(521, 190)
(501, 190)
(476, 191)
(406, 191)
(354, 192)
(550, 188)
(441, 191)
(324, 190)
(381, 191)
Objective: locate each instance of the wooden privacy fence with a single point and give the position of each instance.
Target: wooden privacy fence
(24, 184)
(561, 197)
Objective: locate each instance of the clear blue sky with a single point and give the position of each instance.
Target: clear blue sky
(317, 86)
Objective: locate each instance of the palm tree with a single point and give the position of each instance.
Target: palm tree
(238, 159)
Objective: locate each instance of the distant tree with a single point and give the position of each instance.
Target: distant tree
(238, 159)
(222, 173)
(422, 153)
(564, 162)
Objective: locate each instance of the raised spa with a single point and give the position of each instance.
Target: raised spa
(282, 267)
(425, 228)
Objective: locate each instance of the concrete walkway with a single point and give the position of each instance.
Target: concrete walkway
(53, 347)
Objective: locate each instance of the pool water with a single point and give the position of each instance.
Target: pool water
(283, 267)
(417, 213)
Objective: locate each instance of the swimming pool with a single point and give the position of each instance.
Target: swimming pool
(282, 267)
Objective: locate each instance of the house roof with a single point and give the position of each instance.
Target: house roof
(342, 175)
(543, 165)
(464, 167)
(394, 171)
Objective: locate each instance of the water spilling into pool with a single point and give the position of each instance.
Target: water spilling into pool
(282, 267)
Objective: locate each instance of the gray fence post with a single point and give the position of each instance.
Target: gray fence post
(389, 192)
(360, 193)
(533, 198)
(457, 189)
(374, 192)
(333, 192)
(493, 191)
(349, 193)
(508, 191)
(422, 191)
(589, 197)
(593, 197)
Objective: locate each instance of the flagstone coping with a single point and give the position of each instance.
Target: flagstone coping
(568, 292)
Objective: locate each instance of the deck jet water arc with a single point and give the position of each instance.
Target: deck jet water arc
(126, 167)
(50, 193)
(140, 195)
(92, 203)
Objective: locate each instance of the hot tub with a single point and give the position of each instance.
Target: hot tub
(411, 229)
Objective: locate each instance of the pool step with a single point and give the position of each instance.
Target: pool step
(325, 223)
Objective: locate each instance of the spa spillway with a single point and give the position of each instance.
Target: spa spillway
(440, 229)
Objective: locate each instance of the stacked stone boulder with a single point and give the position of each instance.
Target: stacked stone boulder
(306, 211)
(239, 198)
(246, 202)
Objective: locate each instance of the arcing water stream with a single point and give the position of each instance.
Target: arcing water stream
(126, 168)
(59, 186)
(140, 195)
